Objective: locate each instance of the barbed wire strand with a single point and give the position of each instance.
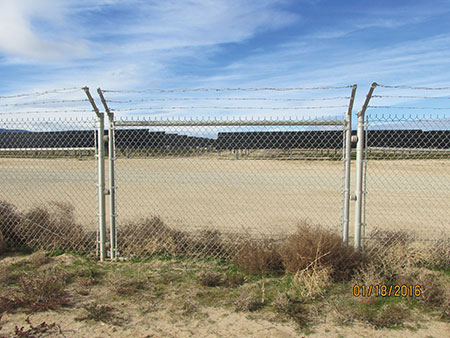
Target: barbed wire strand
(412, 87)
(412, 97)
(54, 91)
(398, 107)
(226, 107)
(41, 102)
(227, 99)
(47, 112)
(182, 90)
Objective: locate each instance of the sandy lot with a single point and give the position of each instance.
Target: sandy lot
(253, 196)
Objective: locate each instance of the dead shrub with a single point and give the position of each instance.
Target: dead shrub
(312, 281)
(209, 243)
(432, 293)
(41, 330)
(151, 236)
(441, 249)
(39, 291)
(53, 227)
(259, 257)
(2, 244)
(147, 237)
(381, 239)
(369, 274)
(10, 218)
(313, 243)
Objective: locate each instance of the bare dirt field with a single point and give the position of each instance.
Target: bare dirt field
(251, 196)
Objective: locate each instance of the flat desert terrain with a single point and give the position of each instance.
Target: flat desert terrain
(258, 197)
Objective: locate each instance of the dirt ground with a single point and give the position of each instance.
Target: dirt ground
(250, 196)
(143, 315)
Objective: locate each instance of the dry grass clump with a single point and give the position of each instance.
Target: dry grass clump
(209, 243)
(8, 276)
(9, 220)
(212, 279)
(147, 237)
(377, 314)
(127, 286)
(53, 227)
(248, 302)
(2, 244)
(259, 256)
(50, 227)
(313, 281)
(100, 313)
(387, 316)
(39, 258)
(39, 291)
(292, 308)
(311, 244)
(151, 236)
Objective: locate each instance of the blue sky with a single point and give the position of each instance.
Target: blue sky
(135, 44)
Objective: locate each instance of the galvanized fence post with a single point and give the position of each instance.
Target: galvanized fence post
(359, 168)
(101, 174)
(347, 166)
(112, 184)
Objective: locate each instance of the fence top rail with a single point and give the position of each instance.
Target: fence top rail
(220, 123)
(421, 150)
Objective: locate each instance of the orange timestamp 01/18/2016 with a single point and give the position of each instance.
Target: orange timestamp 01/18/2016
(394, 290)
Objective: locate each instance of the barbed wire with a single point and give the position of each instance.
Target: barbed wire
(226, 107)
(398, 107)
(412, 87)
(47, 112)
(53, 91)
(183, 90)
(412, 97)
(41, 102)
(228, 99)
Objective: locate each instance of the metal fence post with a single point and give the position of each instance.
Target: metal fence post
(112, 184)
(101, 175)
(359, 168)
(347, 166)
(359, 173)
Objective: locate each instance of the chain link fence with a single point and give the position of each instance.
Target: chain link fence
(202, 187)
(407, 177)
(48, 196)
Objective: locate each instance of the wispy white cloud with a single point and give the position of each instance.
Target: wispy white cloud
(19, 36)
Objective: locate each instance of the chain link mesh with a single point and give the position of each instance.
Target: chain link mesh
(408, 183)
(408, 173)
(201, 190)
(48, 191)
